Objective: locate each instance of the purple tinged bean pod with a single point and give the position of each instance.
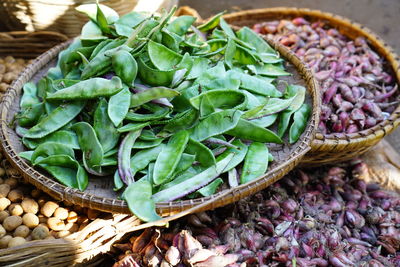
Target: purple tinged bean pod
(218, 261)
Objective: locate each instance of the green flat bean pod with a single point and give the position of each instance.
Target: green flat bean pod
(91, 147)
(101, 63)
(255, 162)
(106, 132)
(125, 66)
(132, 127)
(223, 99)
(300, 118)
(75, 176)
(88, 89)
(64, 137)
(181, 24)
(55, 120)
(298, 92)
(138, 196)
(141, 144)
(192, 184)
(49, 149)
(250, 131)
(203, 154)
(154, 76)
(169, 157)
(118, 106)
(31, 115)
(146, 96)
(215, 124)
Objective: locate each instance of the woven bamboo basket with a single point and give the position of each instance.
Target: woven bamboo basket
(85, 247)
(60, 16)
(333, 147)
(100, 195)
(28, 44)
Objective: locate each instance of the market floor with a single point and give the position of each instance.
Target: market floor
(381, 16)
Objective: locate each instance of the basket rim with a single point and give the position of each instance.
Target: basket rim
(387, 125)
(61, 192)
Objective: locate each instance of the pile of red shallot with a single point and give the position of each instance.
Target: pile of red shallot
(358, 91)
(322, 217)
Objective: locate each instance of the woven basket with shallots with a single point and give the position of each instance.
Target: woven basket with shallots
(334, 147)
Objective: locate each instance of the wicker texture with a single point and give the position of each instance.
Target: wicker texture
(53, 15)
(334, 147)
(24, 44)
(286, 157)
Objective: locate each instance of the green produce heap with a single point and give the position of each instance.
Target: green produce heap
(170, 109)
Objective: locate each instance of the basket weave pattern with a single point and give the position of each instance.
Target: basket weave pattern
(53, 15)
(28, 44)
(334, 147)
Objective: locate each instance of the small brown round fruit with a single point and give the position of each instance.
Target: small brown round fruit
(16, 241)
(49, 208)
(30, 220)
(40, 232)
(12, 222)
(30, 205)
(22, 231)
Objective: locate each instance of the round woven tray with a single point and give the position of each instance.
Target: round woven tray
(99, 194)
(333, 147)
(23, 44)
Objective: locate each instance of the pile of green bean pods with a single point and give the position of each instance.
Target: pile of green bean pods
(170, 109)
